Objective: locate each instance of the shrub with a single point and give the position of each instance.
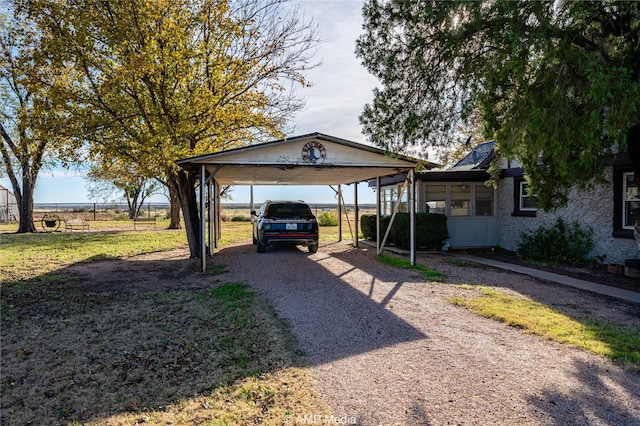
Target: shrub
(368, 226)
(560, 243)
(329, 218)
(431, 231)
(239, 218)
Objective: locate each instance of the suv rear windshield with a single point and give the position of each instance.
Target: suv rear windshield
(289, 211)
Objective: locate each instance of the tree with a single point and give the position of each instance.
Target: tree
(166, 79)
(557, 83)
(32, 123)
(455, 151)
(110, 177)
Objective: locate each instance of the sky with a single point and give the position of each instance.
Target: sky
(340, 89)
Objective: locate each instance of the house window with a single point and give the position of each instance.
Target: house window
(436, 198)
(389, 196)
(523, 201)
(484, 200)
(460, 200)
(625, 199)
(389, 199)
(631, 201)
(527, 202)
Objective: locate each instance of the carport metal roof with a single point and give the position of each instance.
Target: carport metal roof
(313, 159)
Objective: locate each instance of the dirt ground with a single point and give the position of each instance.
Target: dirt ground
(385, 347)
(149, 272)
(597, 273)
(175, 270)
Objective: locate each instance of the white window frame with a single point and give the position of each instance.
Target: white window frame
(625, 200)
(522, 196)
(471, 187)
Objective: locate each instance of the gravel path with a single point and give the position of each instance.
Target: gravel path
(387, 348)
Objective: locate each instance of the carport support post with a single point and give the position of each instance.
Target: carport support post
(215, 218)
(412, 215)
(355, 202)
(217, 214)
(339, 213)
(203, 248)
(378, 205)
(251, 201)
(209, 218)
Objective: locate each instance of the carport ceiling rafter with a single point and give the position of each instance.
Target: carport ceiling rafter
(313, 159)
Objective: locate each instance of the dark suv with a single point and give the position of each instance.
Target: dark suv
(284, 222)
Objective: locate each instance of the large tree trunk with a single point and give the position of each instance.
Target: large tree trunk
(132, 208)
(174, 209)
(185, 189)
(25, 204)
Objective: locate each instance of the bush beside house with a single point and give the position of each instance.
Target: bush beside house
(431, 230)
(368, 226)
(561, 242)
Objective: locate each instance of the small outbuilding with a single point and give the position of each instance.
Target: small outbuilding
(9, 211)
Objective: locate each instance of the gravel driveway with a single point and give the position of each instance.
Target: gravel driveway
(385, 347)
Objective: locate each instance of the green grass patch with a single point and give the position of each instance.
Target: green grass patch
(399, 262)
(235, 232)
(615, 342)
(233, 296)
(217, 269)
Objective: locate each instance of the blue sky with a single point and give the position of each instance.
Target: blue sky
(341, 87)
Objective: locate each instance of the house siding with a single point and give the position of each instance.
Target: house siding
(592, 208)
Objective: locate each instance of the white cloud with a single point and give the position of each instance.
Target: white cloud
(341, 85)
(340, 89)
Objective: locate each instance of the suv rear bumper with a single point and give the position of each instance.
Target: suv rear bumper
(289, 239)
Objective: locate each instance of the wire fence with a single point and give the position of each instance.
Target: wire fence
(87, 211)
(9, 212)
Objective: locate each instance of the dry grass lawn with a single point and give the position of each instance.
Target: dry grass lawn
(113, 339)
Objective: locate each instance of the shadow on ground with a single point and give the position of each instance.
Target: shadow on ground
(107, 337)
(319, 301)
(118, 336)
(101, 339)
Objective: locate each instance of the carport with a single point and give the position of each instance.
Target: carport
(313, 159)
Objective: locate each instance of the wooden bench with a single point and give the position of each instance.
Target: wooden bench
(71, 224)
(144, 221)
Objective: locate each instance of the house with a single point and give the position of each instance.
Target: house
(483, 216)
(8, 206)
